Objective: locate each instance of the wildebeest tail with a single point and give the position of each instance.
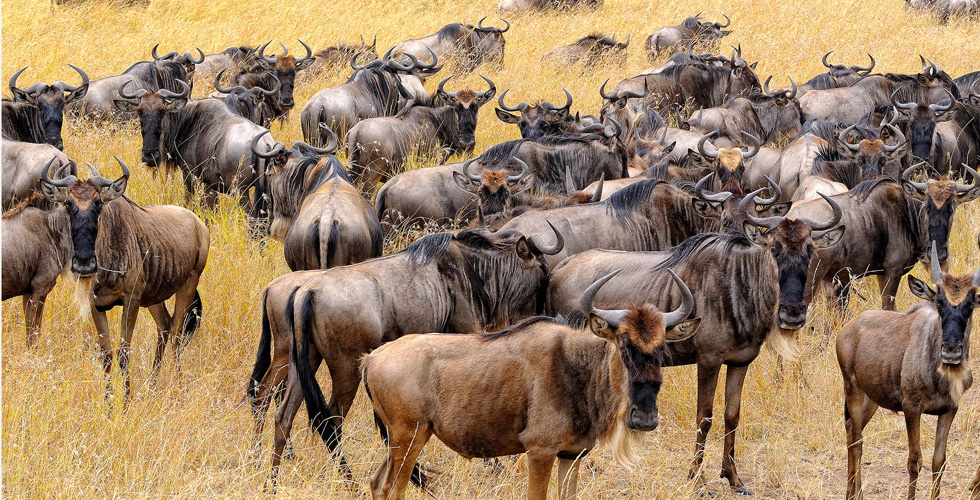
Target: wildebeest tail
(316, 405)
(192, 318)
(263, 356)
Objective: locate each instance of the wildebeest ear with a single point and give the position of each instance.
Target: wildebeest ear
(776, 209)
(913, 191)
(114, 190)
(464, 182)
(753, 65)
(707, 209)
(523, 185)
(506, 117)
(54, 193)
(176, 104)
(922, 79)
(683, 330)
(829, 238)
(600, 327)
(972, 194)
(920, 289)
(523, 249)
(76, 94)
(670, 147)
(301, 65)
(124, 105)
(756, 234)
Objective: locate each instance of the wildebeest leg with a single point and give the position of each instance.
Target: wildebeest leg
(33, 310)
(539, 464)
(162, 318)
(105, 346)
(842, 290)
(734, 380)
(183, 302)
(888, 286)
(127, 324)
(943, 424)
(345, 378)
(271, 381)
(188, 185)
(707, 383)
(568, 478)
(976, 486)
(405, 444)
(858, 410)
(912, 422)
(292, 400)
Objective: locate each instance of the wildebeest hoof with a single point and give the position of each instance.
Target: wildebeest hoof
(706, 494)
(742, 490)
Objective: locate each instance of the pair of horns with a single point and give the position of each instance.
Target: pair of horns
(174, 53)
(615, 316)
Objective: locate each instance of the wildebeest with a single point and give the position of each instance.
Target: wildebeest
(162, 73)
(512, 6)
(203, 138)
(944, 134)
(230, 58)
(425, 195)
(772, 116)
(968, 84)
(252, 103)
(692, 29)
(729, 163)
(337, 56)
(921, 119)
(915, 363)
(270, 71)
(592, 50)
(946, 9)
(37, 113)
(440, 283)
(380, 147)
(375, 89)
(890, 228)
(22, 166)
(132, 256)
(465, 45)
(36, 250)
(762, 271)
(609, 362)
(323, 220)
(538, 119)
(837, 75)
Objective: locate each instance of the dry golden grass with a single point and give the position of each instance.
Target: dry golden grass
(188, 435)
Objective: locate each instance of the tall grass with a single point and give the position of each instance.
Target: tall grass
(187, 435)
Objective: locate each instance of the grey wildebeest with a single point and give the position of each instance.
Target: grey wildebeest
(327, 222)
(277, 71)
(890, 227)
(692, 29)
(592, 51)
(132, 256)
(764, 271)
(609, 361)
(227, 59)
(380, 147)
(252, 103)
(538, 119)
(423, 195)
(440, 283)
(945, 134)
(36, 250)
(837, 75)
(375, 89)
(465, 45)
(37, 113)
(921, 121)
(22, 166)
(203, 138)
(772, 116)
(946, 9)
(162, 73)
(915, 363)
(337, 56)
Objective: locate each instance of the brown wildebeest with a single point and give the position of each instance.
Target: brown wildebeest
(440, 283)
(729, 164)
(36, 250)
(268, 71)
(593, 50)
(915, 362)
(609, 362)
(337, 56)
(132, 256)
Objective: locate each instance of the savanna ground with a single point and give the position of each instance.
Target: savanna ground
(188, 434)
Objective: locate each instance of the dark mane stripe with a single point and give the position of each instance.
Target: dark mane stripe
(700, 243)
(622, 202)
(426, 248)
(509, 331)
(862, 191)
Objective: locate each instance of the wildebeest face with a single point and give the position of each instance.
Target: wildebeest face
(940, 198)
(955, 299)
(285, 67)
(922, 121)
(151, 107)
(84, 201)
(467, 104)
(494, 188)
(50, 102)
(539, 119)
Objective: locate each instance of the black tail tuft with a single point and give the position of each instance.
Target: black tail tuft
(327, 426)
(192, 319)
(263, 357)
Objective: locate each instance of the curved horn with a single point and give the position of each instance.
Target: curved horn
(331, 144)
(442, 84)
(270, 60)
(902, 105)
(597, 195)
(756, 146)
(168, 55)
(962, 188)
(776, 193)
(701, 150)
(13, 80)
(466, 171)
(866, 69)
(746, 206)
(569, 182)
(824, 60)
(728, 22)
(275, 88)
(674, 317)
(520, 107)
(480, 25)
(842, 137)
(934, 265)
(834, 220)
(183, 94)
(491, 88)
(897, 133)
(602, 91)
(765, 85)
(932, 67)
(122, 91)
(713, 197)
(923, 61)
(353, 61)
(568, 100)
(525, 170)
(63, 182)
(423, 65)
(507, 25)
(397, 66)
(628, 37)
(907, 177)
(792, 93)
(94, 172)
(226, 90)
(585, 303)
(198, 60)
(278, 148)
(309, 51)
(629, 94)
(545, 249)
(64, 87)
(939, 108)
(122, 165)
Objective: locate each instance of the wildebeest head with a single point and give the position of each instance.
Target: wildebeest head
(940, 198)
(653, 151)
(922, 119)
(955, 298)
(49, 101)
(623, 105)
(539, 119)
(727, 206)
(187, 60)
(341, 53)
(729, 164)
(151, 107)
(599, 48)
(491, 40)
(640, 334)
(249, 102)
(285, 67)
(791, 243)
(708, 31)
(743, 78)
(865, 159)
(844, 75)
(494, 188)
(84, 201)
(778, 111)
(467, 103)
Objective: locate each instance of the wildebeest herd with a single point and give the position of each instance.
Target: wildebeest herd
(693, 218)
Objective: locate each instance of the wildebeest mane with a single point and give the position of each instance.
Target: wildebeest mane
(506, 332)
(22, 122)
(500, 152)
(452, 32)
(862, 191)
(623, 202)
(700, 243)
(595, 37)
(378, 83)
(156, 75)
(426, 248)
